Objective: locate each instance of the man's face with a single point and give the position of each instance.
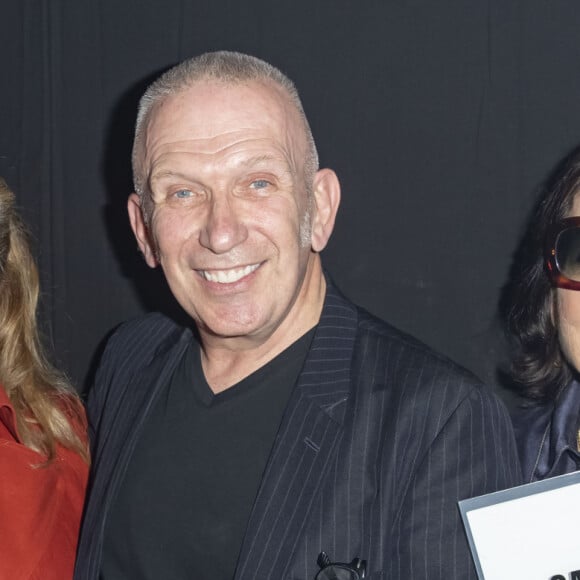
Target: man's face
(230, 224)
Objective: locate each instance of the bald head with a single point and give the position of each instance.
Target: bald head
(225, 67)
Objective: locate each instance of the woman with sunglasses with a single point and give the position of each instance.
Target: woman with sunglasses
(543, 316)
(43, 449)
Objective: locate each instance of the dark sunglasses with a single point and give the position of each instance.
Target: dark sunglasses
(563, 254)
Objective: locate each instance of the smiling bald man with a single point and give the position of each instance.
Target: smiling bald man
(285, 421)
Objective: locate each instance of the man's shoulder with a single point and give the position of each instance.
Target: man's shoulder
(413, 392)
(396, 351)
(132, 347)
(141, 337)
(405, 352)
(144, 322)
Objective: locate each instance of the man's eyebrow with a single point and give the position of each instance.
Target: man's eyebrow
(278, 163)
(258, 159)
(161, 175)
(167, 174)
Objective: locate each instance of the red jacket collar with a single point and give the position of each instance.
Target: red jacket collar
(7, 416)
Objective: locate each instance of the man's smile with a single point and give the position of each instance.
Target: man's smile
(228, 276)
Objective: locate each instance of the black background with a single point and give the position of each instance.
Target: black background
(441, 118)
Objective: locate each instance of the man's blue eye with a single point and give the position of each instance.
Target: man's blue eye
(260, 184)
(183, 193)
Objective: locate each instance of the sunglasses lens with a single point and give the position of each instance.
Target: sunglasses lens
(568, 253)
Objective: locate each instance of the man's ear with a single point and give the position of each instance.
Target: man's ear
(141, 230)
(326, 194)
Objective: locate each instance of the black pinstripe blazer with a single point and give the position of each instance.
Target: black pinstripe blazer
(379, 441)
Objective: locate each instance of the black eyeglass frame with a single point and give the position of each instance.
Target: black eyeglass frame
(356, 569)
(557, 278)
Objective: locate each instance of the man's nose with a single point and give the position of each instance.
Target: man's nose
(224, 229)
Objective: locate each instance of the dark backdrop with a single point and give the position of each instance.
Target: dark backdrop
(442, 119)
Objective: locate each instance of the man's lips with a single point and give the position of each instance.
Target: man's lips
(228, 276)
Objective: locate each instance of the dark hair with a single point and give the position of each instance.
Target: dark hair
(538, 367)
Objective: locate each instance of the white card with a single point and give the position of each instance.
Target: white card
(530, 532)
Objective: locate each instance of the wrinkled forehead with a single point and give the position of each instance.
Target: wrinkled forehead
(211, 112)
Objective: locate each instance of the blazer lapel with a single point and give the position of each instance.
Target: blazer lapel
(304, 448)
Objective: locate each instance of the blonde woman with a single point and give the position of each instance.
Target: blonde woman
(43, 449)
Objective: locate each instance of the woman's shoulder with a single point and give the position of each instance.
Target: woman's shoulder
(41, 505)
(547, 433)
(527, 416)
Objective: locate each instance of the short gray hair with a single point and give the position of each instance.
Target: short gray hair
(230, 67)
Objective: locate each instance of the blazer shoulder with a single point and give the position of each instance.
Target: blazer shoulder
(411, 375)
(421, 394)
(140, 338)
(132, 346)
(392, 359)
(410, 352)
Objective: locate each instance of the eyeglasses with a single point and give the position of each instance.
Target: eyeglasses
(563, 254)
(356, 570)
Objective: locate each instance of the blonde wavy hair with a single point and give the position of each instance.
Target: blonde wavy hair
(48, 412)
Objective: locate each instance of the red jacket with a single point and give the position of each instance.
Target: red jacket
(40, 507)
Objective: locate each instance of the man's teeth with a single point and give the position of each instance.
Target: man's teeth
(228, 276)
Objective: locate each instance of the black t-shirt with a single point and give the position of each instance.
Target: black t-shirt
(182, 509)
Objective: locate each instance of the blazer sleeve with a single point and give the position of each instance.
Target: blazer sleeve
(473, 453)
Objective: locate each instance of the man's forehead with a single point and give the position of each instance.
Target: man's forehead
(190, 165)
(221, 105)
(211, 115)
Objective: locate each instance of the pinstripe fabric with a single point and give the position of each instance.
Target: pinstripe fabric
(138, 361)
(379, 441)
